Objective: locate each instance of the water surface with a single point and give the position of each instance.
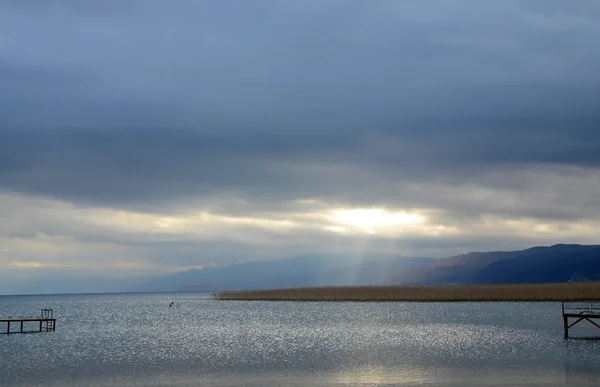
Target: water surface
(138, 340)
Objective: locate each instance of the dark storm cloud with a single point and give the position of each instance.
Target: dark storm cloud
(135, 103)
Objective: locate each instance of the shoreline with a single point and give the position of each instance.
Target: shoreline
(548, 292)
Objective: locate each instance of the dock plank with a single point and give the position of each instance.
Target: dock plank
(25, 319)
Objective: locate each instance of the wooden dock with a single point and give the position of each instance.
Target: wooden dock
(46, 321)
(580, 311)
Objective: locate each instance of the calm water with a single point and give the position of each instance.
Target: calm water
(138, 340)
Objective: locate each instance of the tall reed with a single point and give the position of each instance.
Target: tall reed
(575, 291)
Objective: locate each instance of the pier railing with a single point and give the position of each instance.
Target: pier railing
(581, 307)
(46, 321)
(580, 311)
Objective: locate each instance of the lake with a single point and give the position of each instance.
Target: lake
(138, 340)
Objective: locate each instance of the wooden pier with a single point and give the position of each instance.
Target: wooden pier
(46, 321)
(580, 311)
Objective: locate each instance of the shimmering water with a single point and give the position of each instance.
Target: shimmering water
(138, 340)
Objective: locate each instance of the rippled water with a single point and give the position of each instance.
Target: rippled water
(138, 340)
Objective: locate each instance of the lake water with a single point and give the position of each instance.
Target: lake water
(138, 340)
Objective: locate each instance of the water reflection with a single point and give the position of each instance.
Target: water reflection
(379, 376)
(138, 340)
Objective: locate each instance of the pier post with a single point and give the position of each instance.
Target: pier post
(47, 322)
(566, 326)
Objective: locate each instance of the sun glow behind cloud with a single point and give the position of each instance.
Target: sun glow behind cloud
(201, 224)
(45, 234)
(373, 220)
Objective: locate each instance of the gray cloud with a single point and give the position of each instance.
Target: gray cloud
(468, 108)
(122, 168)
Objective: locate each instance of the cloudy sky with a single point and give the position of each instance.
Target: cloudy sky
(142, 136)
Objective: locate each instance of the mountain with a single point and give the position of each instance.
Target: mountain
(558, 263)
(299, 271)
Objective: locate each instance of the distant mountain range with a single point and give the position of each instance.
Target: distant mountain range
(558, 263)
(302, 271)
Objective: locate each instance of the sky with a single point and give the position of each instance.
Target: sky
(148, 136)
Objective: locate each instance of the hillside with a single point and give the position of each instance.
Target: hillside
(558, 263)
(299, 271)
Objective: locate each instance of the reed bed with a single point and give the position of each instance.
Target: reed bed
(577, 291)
